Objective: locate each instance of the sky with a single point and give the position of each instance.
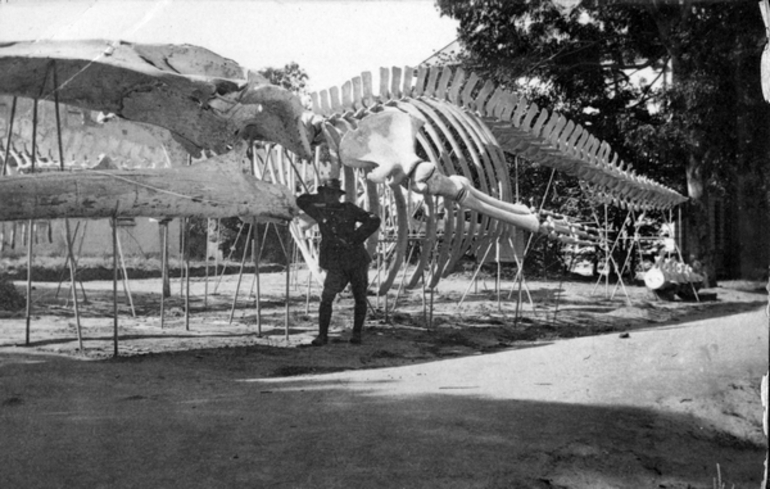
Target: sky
(333, 40)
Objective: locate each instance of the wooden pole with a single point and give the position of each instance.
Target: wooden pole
(8, 139)
(379, 276)
(115, 286)
(288, 286)
(186, 254)
(164, 272)
(182, 227)
(70, 255)
(230, 255)
(607, 257)
(78, 254)
(216, 252)
(424, 301)
(473, 279)
(499, 274)
(240, 273)
(206, 277)
(256, 255)
(126, 284)
(307, 296)
(30, 226)
(28, 315)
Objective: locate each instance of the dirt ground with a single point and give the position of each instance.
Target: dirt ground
(246, 403)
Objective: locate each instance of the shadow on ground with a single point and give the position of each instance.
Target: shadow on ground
(189, 420)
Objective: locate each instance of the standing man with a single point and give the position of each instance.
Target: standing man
(344, 229)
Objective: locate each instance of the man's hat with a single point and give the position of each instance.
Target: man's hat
(331, 185)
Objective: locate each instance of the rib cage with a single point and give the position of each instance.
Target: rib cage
(468, 126)
(457, 142)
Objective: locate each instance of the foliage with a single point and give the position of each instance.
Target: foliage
(10, 298)
(291, 77)
(693, 119)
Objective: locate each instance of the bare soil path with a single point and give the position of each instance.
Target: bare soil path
(599, 393)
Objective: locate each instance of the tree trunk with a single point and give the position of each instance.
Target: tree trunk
(212, 188)
(698, 243)
(750, 210)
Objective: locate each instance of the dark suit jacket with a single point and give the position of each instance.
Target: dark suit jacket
(344, 229)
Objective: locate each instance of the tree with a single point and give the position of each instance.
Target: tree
(697, 122)
(291, 77)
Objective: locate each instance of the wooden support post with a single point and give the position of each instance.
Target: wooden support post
(8, 139)
(498, 284)
(28, 314)
(115, 286)
(240, 273)
(216, 253)
(473, 279)
(65, 267)
(166, 285)
(126, 284)
(182, 244)
(288, 286)
(256, 255)
(164, 271)
(70, 255)
(424, 300)
(609, 253)
(230, 255)
(307, 296)
(206, 277)
(71, 260)
(30, 226)
(186, 254)
(609, 260)
(379, 275)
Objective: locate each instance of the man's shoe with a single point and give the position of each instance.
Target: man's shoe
(355, 339)
(320, 340)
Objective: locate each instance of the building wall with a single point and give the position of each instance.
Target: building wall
(138, 237)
